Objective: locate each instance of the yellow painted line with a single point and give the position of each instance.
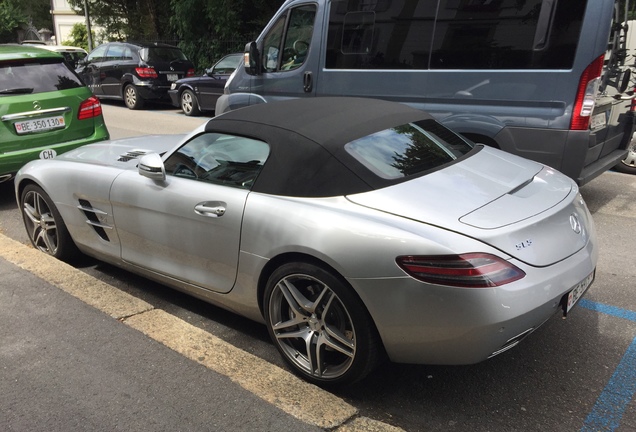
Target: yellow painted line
(277, 386)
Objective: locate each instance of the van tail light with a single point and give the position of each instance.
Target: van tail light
(146, 72)
(190, 72)
(471, 270)
(586, 95)
(89, 109)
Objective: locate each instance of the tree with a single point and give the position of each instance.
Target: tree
(147, 20)
(79, 36)
(18, 13)
(209, 29)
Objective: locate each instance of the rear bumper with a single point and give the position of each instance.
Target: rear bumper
(10, 163)
(425, 324)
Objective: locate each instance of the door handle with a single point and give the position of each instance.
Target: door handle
(203, 209)
(307, 82)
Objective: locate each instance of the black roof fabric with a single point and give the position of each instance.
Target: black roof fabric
(307, 137)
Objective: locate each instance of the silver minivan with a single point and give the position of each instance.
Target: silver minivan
(532, 77)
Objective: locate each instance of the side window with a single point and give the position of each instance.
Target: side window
(286, 45)
(220, 159)
(98, 54)
(115, 52)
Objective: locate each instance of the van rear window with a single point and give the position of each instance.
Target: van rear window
(457, 34)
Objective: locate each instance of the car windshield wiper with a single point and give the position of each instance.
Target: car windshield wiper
(21, 90)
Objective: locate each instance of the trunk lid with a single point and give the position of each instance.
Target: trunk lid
(513, 204)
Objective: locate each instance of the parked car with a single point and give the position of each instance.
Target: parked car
(351, 227)
(134, 72)
(45, 109)
(197, 94)
(72, 54)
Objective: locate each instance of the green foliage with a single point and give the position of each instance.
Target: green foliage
(11, 17)
(79, 37)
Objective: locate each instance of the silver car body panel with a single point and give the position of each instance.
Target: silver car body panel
(226, 260)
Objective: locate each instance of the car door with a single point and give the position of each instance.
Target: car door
(91, 70)
(210, 86)
(119, 60)
(188, 227)
(290, 56)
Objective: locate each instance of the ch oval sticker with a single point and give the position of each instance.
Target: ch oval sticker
(48, 154)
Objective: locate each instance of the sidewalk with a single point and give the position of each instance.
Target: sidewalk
(77, 354)
(67, 366)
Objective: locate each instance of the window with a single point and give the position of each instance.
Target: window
(220, 159)
(37, 77)
(407, 150)
(287, 48)
(99, 54)
(456, 34)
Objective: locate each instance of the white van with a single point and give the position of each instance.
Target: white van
(523, 76)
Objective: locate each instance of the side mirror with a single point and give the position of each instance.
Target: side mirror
(252, 59)
(151, 166)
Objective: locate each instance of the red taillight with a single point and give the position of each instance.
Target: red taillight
(472, 270)
(585, 95)
(146, 72)
(90, 108)
(190, 72)
(632, 105)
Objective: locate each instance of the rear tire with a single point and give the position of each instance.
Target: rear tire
(189, 103)
(319, 325)
(628, 165)
(132, 99)
(45, 226)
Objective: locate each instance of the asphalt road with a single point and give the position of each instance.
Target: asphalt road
(573, 374)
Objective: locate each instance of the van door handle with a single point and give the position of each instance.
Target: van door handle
(307, 82)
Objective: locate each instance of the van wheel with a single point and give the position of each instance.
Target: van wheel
(319, 325)
(131, 98)
(189, 104)
(628, 165)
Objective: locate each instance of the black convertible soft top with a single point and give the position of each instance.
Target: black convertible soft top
(307, 137)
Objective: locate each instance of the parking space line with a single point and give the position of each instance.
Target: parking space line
(610, 406)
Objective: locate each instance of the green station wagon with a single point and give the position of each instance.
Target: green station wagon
(45, 108)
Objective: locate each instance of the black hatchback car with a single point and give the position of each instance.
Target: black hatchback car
(134, 72)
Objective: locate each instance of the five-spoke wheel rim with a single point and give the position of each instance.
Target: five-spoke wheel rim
(312, 326)
(40, 223)
(186, 102)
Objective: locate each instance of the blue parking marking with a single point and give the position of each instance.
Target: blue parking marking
(610, 406)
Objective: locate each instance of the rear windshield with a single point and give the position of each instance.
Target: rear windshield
(36, 77)
(161, 54)
(408, 150)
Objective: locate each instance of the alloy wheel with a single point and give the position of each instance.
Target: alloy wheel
(40, 223)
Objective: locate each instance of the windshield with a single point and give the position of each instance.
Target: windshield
(36, 77)
(408, 150)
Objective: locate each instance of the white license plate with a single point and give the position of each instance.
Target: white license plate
(578, 291)
(598, 121)
(39, 125)
(173, 77)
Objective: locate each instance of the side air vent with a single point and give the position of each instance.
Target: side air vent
(132, 154)
(95, 218)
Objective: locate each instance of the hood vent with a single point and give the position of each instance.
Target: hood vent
(132, 154)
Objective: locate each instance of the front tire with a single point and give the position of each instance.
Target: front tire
(45, 226)
(319, 325)
(132, 99)
(189, 103)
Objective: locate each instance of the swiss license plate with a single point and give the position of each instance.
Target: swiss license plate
(173, 77)
(577, 292)
(39, 125)
(598, 121)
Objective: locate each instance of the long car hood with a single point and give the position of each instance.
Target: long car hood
(529, 211)
(122, 153)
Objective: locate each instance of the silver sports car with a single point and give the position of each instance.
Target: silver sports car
(355, 229)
